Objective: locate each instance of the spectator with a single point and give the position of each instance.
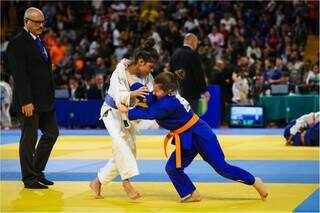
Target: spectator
(100, 67)
(295, 65)
(253, 50)
(215, 37)
(50, 38)
(276, 72)
(57, 52)
(313, 75)
(272, 74)
(257, 85)
(215, 74)
(76, 91)
(156, 37)
(240, 89)
(313, 79)
(120, 51)
(5, 100)
(299, 32)
(94, 48)
(98, 91)
(228, 21)
(292, 89)
(191, 24)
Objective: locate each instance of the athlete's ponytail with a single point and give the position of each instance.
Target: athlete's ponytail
(179, 74)
(147, 52)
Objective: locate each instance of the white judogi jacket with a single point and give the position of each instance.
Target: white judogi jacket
(119, 88)
(304, 121)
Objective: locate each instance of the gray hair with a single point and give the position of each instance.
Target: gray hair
(189, 36)
(31, 10)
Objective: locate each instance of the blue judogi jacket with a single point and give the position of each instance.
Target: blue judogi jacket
(171, 112)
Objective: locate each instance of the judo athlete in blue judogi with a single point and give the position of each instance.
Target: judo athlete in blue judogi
(191, 136)
(303, 131)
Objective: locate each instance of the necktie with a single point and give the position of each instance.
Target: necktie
(42, 48)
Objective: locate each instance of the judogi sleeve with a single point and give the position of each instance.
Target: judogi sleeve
(304, 121)
(158, 110)
(121, 87)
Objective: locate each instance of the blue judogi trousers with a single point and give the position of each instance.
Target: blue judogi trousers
(311, 137)
(212, 153)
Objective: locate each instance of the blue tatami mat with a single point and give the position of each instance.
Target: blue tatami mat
(13, 136)
(311, 204)
(223, 131)
(283, 171)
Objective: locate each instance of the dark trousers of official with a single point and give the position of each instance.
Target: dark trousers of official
(33, 156)
(194, 105)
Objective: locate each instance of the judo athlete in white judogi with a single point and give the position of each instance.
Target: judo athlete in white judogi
(123, 161)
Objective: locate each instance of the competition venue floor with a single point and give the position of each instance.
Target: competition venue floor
(291, 174)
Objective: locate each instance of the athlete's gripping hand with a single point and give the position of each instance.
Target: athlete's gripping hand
(141, 92)
(123, 108)
(290, 140)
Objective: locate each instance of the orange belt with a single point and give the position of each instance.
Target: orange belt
(175, 134)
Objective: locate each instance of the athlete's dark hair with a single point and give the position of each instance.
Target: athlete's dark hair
(147, 52)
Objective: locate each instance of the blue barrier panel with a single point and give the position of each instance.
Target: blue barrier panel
(85, 113)
(213, 116)
(78, 113)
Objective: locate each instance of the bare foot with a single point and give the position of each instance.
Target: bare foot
(261, 188)
(131, 192)
(194, 197)
(95, 186)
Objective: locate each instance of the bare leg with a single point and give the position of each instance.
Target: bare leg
(131, 192)
(194, 197)
(261, 188)
(95, 185)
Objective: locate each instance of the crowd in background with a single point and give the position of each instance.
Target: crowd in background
(245, 47)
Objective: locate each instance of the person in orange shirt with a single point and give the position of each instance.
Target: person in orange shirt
(57, 52)
(50, 38)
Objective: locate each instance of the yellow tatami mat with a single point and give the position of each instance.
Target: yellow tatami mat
(157, 197)
(151, 147)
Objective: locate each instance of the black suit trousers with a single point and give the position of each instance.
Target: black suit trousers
(33, 156)
(193, 104)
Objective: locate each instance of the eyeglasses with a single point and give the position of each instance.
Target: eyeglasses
(36, 21)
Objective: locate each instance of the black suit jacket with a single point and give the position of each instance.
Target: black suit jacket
(194, 82)
(32, 75)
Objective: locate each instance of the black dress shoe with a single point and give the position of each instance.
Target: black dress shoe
(35, 185)
(45, 181)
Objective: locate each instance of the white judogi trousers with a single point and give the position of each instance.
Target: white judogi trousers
(123, 161)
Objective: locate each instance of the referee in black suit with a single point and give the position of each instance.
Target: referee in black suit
(33, 98)
(187, 58)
